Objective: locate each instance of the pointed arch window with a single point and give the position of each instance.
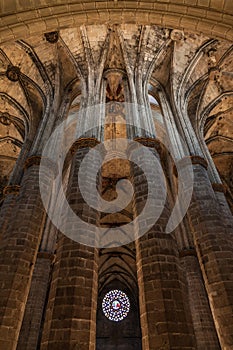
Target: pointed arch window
(152, 100)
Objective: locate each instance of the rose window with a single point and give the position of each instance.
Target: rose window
(115, 305)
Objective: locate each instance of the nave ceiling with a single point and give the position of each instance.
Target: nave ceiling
(194, 71)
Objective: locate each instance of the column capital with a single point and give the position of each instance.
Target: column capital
(217, 187)
(84, 142)
(33, 160)
(11, 189)
(199, 160)
(36, 160)
(149, 142)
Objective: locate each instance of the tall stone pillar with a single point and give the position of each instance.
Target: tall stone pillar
(10, 194)
(204, 328)
(18, 250)
(71, 311)
(220, 192)
(165, 316)
(214, 246)
(30, 331)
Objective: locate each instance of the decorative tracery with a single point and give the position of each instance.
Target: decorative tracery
(116, 305)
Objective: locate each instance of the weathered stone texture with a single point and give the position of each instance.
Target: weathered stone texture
(31, 326)
(205, 332)
(71, 310)
(215, 253)
(19, 244)
(172, 60)
(165, 315)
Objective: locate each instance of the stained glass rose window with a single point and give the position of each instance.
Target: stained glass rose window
(116, 305)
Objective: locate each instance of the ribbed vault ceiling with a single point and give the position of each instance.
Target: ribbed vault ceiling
(192, 68)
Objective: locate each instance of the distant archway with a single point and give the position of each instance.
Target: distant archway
(118, 272)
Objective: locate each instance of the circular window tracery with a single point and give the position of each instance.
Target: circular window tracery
(116, 305)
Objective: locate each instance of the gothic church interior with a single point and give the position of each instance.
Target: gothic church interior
(159, 74)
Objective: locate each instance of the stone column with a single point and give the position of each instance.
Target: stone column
(10, 194)
(214, 246)
(220, 191)
(30, 332)
(165, 316)
(18, 250)
(31, 326)
(71, 312)
(205, 332)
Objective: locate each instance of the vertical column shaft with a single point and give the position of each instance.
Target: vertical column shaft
(205, 332)
(214, 246)
(71, 312)
(220, 191)
(31, 326)
(10, 194)
(18, 250)
(165, 316)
